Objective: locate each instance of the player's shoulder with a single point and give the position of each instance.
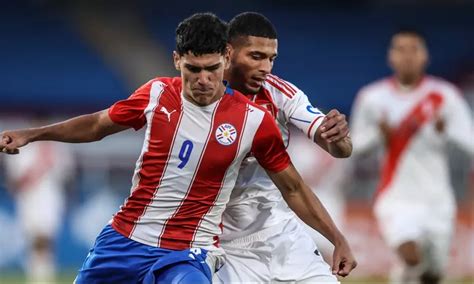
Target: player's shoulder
(442, 86)
(279, 87)
(377, 85)
(163, 85)
(237, 99)
(375, 90)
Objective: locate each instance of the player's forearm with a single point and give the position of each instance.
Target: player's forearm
(341, 148)
(85, 128)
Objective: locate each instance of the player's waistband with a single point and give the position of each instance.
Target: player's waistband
(258, 236)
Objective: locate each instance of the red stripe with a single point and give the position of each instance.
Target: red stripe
(162, 136)
(209, 135)
(402, 136)
(280, 88)
(284, 83)
(311, 126)
(180, 229)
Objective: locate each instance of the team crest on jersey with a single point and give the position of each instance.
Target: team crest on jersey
(226, 134)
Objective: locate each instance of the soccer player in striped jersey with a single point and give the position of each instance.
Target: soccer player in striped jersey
(413, 116)
(198, 132)
(263, 239)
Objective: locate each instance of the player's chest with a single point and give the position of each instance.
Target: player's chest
(197, 134)
(412, 110)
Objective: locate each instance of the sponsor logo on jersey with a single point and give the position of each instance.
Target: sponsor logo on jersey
(226, 134)
(311, 109)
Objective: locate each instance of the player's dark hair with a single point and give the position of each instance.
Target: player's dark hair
(202, 33)
(251, 24)
(411, 32)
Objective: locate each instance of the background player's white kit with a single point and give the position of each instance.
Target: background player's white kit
(414, 199)
(37, 178)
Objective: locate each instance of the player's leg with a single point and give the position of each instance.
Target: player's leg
(180, 273)
(437, 249)
(40, 225)
(403, 227)
(117, 259)
(296, 259)
(186, 266)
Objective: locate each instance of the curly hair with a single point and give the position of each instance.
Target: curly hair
(202, 33)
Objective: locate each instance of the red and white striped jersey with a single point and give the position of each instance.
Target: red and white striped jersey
(415, 167)
(255, 202)
(189, 162)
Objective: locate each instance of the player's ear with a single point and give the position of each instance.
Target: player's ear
(227, 53)
(176, 60)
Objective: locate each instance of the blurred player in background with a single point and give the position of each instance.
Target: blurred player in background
(413, 115)
(327, 177)
(198, 131)
(263, 239)
(37, 179)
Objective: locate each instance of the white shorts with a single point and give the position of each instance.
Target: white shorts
(40, 211)
(284, 253)
(429, 226)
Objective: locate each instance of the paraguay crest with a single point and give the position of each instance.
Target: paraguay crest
(226, 134)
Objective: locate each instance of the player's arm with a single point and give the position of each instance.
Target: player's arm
(333, 135)
(307, 206)
(84, 128)
(331, 132)
(458, 122)
(368, 126)
(122, 115)
(270, 152)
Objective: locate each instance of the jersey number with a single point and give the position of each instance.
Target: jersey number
(185, 153)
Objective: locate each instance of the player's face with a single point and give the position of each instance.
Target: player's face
(408, 56)
(251, 60)
(202, 76)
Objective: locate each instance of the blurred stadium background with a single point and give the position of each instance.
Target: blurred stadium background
(63, 58)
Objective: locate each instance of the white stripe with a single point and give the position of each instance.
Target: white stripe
(156, 90)
(209, 224)
(174, 184)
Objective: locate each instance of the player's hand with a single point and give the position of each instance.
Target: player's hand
(440, 125)
(11, 141)
(334, 127)
(343, 260)
(386, 131)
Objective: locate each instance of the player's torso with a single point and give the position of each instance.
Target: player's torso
(187, 168)
(415, 166)
(255, 202)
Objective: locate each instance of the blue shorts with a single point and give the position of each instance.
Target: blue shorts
(118, 259)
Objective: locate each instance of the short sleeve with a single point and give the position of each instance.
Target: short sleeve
(131, 112)
(365, 131)
(459, 124)
(268, 147)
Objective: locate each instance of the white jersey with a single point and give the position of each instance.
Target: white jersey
(415, 167)
(38, 176)
(256, 203)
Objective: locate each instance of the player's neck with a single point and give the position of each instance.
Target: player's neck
(408, 83)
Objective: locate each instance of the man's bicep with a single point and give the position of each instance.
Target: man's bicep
(106, 126)
(285, 179)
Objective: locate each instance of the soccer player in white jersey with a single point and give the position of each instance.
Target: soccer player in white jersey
(197, 134)
(413, 115)
(37, 179)
(262, 238)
